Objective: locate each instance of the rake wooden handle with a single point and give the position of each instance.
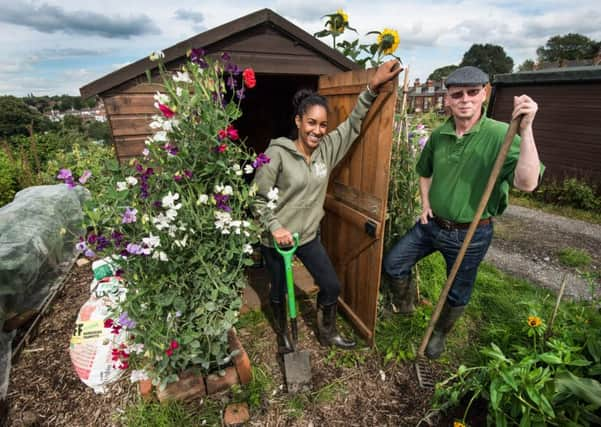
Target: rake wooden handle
(492, 179)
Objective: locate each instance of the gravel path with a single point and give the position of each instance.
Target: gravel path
(527, 243)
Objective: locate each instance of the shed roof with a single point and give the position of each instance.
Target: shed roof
(551, 75)
(263, 17)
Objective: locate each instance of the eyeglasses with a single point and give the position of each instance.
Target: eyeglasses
(470, 93)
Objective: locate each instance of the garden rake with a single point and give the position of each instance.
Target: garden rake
(297, 364)
(424, 374)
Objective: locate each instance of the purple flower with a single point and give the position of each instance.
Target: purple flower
(232, 69)
(188, 173)
(119, 272)
(117, 237)
(70, 183)
(197, 56)
(139, 167)
(64, 174)
(101, 243)
(262, 159)
(85, 176)
(231, 83)
(177, 177)
(157, 204)
(89, 253)
(81, 246)
(133, 249)
(221, 201)
(92, 238)
(240, 94)
(422, 142)
(225, 56)
(129, 216)
(125, 320)
(171, 149)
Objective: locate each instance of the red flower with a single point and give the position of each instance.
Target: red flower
(249, 78)
(221, 148)
(116, 329)
(108, 323)
(167, 112)
(124, 365)
(222, 134)
(174, 345)
(232, 133)
(169, 352)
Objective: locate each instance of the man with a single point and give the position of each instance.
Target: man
(454, 168)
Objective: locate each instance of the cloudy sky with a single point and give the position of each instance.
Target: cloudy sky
(53, 47)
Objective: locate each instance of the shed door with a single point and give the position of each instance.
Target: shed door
(353, 228)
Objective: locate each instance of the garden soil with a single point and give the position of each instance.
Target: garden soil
(348, 391)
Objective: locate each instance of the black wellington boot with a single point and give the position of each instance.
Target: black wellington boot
(404, 294)
(448, 317)
(280, 326)
(326, 327)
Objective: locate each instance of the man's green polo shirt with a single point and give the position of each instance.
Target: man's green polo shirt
(460, 167)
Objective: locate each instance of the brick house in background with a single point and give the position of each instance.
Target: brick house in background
(423, 98)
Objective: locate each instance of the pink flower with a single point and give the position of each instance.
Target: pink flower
(84, 177)
(169, 352)
(221, 148)
(174, 345)
(167, 112)
(232, 133)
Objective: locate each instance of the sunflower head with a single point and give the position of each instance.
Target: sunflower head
(388, 41)
(338, 21)
(534, 321)
(458, 424)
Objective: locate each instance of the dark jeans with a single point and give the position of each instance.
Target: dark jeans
(424, 239)
(316, 260)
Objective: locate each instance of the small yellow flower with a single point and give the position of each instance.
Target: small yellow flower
(458, 424)
(388, 40)
(534, 321)
(63, 231)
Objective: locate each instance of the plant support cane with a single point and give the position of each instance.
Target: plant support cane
(423, 375)
(297, 364)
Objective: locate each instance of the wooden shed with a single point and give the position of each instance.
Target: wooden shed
(285, 59)
(567, 127)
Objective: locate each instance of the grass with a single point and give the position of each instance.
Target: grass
(171, 414)
(566, 211)
(256, 391)
(571, 257)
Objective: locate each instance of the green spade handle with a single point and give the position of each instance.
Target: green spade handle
(287, 255)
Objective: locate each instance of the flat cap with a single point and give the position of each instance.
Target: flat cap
(467, 76)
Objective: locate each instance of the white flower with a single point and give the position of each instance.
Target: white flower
(273, 194)
(161, 256)
(121, 186)
(169, 125)
(237, 170)
(202, 200)
(171, 213)
(248, 169)
(245, 224)
(131, 180)
(218, 188)
(181, 243)
(228, 190)
(248, 249)
(138, 376)
(161, 222)
(160, 136)
(156, 124)
(271, 205)
(152, 241)
(182, 77)
(161, 98)
(155, 56)
(169, 201)
(223, 220)
(179, 91)
(246, 233)
(148, 140)
(138, 349)
(145, 152)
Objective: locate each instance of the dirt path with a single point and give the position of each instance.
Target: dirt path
(527, 243)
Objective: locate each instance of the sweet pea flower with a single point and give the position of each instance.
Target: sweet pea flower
(126, 321)
(121, 186)
(168, 201)
(160, 255)
(182, 77)
(133, 249)
(260, 160)
(85, 176)
(422, 142)
(167, 112)
(249, 78)
(129, 216)
(248, 169)
(131, 180)
(155, 56)
(202, 199)
(247, 249)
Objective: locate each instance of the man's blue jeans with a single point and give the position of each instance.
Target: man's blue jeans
(424, 239)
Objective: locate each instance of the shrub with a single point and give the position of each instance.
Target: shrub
(8, 179)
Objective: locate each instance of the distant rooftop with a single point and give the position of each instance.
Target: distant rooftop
(550, 75)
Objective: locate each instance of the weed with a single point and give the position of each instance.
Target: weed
(173, 413)
(254, 393)
(346, 358)
(329, 392)
(571, 257)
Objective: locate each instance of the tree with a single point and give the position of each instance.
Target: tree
(490, 58)
(16, 116)
(569, 47)
(527, 65)
(442, 72)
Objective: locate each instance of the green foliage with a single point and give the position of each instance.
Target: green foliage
(442, 72)
(568, 47)
(572, 257)
(570, 192)
(171, 414)
(346, 358)
(490, 58)
(533, 381)
(98, 131)
(257, 391)
(8, 179)
(16, 117)
(527, 65)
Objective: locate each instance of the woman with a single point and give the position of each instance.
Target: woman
(291, 193)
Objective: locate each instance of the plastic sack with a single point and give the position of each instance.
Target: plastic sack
(92, 344)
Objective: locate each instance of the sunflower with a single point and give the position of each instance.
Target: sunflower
(534, 321)
(458, 424)
(338, 21)
(388, 41)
